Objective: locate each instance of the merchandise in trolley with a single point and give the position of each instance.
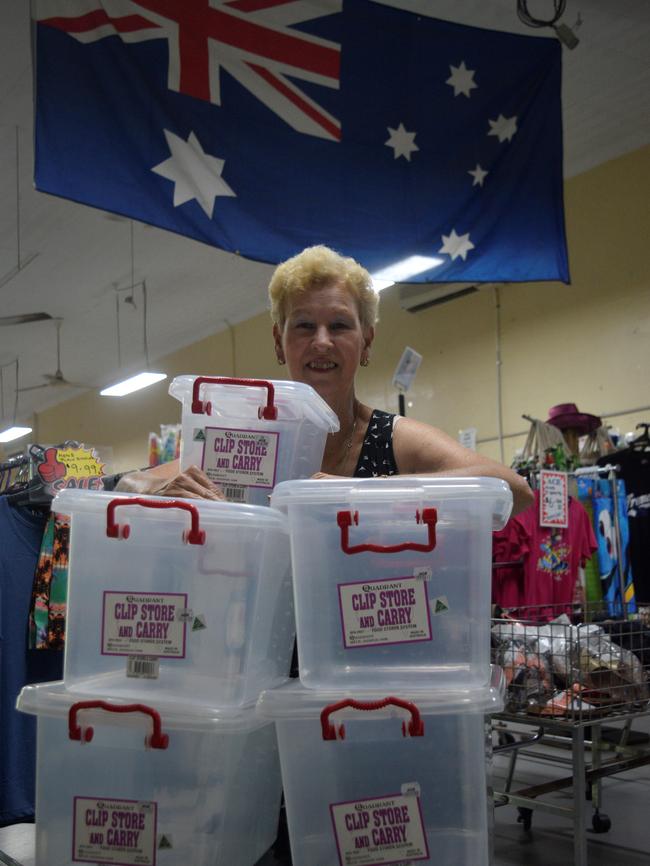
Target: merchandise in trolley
(569, 677)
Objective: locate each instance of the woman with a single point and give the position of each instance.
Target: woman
(324, 311)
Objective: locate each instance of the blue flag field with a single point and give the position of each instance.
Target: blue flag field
(264, 126)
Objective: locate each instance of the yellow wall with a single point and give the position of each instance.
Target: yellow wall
(587, 343)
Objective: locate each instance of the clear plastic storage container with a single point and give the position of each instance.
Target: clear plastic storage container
(249, 434)
(392, 579)
(368, 788)
(183, 598)
(164, 786)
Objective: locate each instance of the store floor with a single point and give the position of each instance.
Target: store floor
(549, 842)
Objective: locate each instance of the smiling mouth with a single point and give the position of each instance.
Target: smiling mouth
(321, 366)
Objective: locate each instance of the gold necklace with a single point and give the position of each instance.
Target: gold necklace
(347, 445)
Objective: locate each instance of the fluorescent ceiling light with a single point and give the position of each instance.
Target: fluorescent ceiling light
(12, 433)
(135, 383)
(401, 271)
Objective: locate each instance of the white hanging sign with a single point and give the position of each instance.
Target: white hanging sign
(406, 369)
(467, 438)
(553, 499)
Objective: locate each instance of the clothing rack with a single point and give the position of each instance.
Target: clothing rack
(10, 470)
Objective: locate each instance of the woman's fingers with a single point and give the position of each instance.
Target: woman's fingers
(192, 484)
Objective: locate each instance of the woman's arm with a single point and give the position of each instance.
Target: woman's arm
(423, 450)
(168, 480)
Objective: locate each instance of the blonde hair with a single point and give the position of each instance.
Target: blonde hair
(319, 266)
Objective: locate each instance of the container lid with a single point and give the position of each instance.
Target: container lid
(293, 701)
(54, 700)
(420, 489)
(294, 400)
(210, 513)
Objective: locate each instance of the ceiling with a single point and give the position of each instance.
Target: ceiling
(78, 264)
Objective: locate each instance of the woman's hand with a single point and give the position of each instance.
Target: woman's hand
(191, 484)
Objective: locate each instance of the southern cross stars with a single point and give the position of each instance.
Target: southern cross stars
(456, 245)
(461, 79)
(402, 142)
(503, 127)
(479, 174)
(195, 174)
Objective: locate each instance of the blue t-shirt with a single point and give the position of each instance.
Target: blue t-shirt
(21, 532)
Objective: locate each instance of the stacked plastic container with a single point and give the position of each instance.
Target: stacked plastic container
(249, 434)
(392, 591)
(179, 614)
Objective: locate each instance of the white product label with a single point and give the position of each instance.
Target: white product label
(114, 831)
(240, 457)
(386, 611)
(144, 624)
(380, 830)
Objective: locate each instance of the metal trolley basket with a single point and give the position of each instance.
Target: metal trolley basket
(570, 671)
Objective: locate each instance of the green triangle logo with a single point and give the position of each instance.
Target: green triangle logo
(198, 623)
(199, 435)
(165, 842)
(441, 606)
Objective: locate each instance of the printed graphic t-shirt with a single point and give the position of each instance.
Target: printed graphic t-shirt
(553, 559)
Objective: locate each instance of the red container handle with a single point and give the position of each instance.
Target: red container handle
(346, 518)
(194, 535)
(415, 726)
(268, 412)
(156, 739)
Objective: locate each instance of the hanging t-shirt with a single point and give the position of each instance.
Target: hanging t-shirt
(635, 471)
(553, 559)
(509, 546)
(20, 540)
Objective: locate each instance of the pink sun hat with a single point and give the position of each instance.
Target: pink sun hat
(566, 415)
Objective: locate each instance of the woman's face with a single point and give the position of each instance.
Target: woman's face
(323, 342)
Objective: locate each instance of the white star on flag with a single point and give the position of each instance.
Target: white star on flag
(503, 127)
(402, 142)
(479, 174)
(461, 79)
(456, 245)
(195, 174)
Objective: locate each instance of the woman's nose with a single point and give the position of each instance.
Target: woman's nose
(322, 337)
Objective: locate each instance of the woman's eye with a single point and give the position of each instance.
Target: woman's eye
(339, 326)
(300, 324)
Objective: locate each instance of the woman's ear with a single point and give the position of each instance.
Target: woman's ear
(368, 337)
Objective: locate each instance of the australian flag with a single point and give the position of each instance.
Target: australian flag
(264, 126)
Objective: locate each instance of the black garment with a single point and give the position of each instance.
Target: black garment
(376, 456)
(635, 472)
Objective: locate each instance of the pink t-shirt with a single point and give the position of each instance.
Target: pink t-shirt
(509, 545)
(552, 560)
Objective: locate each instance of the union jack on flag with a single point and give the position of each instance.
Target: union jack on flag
(263, 126)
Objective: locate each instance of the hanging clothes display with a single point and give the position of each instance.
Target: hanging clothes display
(21, 532)
(634, 463)
(509, 545)
(552, 560)
(612, 557)
(50, 589)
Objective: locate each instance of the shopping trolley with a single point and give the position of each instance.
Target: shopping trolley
(570, 670)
